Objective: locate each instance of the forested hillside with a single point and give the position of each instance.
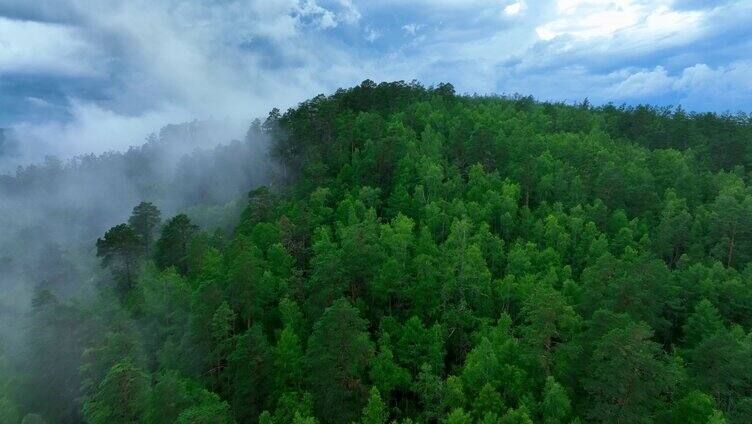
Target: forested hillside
(425, 257)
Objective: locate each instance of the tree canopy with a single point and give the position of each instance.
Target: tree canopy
(422, 256)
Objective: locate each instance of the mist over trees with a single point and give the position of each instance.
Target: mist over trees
(8, 144)
(52, 213)
(411, 256)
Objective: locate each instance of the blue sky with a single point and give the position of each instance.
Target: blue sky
(93, 75)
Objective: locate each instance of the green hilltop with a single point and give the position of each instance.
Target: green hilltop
(421, 256)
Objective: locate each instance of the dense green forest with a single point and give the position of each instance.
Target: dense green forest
(421, 257)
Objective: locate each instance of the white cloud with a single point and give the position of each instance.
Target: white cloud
(95, 129)
(697, 87)
(346, 13)
(412, 28)
(36, 101)
(177, 62)
(172, 60)
(35, 47)
(644, 83)
(513, 8)
(349, 13)
(372, 34)
(587, 19)
(325, 19)
(723, 88)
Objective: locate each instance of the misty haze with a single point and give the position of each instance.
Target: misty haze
(341, 211)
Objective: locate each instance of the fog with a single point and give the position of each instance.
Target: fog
(82, 76)
(52, 212)
(97, 108)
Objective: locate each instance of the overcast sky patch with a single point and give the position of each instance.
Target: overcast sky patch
(105, 73)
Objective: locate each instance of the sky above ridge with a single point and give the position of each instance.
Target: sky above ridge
(93, 75)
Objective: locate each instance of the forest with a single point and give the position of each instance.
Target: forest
(412, 256)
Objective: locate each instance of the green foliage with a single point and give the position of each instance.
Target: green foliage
(288, 361)
(458, 416)
(385, 373)
(210, 411)
(121, 397)
(172, 246)
(375, 411)
(337, 358)
(250, 371)
(33, 419)
(8, 411)
(145, 220)
(555, 406)
(429, 388)
(628, 374)
(695, 407)
(99, 359)
(170, 395)
(428, 257)
(52, 385)
(120, 250)
(487, 402)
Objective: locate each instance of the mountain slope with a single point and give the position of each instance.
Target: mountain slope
(428, 257)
